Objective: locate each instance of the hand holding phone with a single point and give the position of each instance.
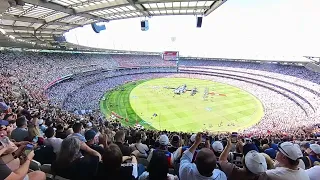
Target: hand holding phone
(28, 149)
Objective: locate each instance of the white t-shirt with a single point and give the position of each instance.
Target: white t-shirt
(54, 142)
(314, 173)
(282, 173)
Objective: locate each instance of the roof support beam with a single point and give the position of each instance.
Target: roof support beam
(23, 19)
(84, 3)
(102, 6)
(214, 6)
(60, 8)
(164, 1)
(140, 8)
(17, 27)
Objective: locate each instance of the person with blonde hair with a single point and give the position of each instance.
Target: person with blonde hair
(34, 135)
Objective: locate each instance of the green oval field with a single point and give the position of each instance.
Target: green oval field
(212, 107)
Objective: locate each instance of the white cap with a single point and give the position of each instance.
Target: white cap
(40, 121)
(89, 124)
(217, 146)
(290, 150)
(164, 140)
(193, 138)
(255, 162)
(315, 148)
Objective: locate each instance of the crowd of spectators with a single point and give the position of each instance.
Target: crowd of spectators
(36, 134)
(129, 60)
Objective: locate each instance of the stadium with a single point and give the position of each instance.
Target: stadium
(99, 89)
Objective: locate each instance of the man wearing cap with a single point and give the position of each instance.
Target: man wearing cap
(217, 148)
(91, 137)
(163, 141)
(178, 153)
(204, 167)
(288, 157)
(254, 163)
(313, 154)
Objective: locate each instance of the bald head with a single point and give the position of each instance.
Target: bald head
(206, 162)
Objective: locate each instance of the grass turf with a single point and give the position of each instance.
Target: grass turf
(139, 101)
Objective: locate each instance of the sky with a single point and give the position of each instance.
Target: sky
(258, 29)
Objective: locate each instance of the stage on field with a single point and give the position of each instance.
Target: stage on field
(182, 104)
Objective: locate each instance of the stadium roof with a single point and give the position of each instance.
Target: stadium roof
(38, 20)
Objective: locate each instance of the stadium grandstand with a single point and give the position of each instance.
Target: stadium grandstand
(73, 112)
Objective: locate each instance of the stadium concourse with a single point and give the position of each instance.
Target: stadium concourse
(42, 137)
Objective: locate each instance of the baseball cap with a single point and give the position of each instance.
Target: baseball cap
(271, 152)
(193, 138)
(315, 148)
(4, 123)
(3, 106)
(249, 147)
(217, 146)
(89, 135)
(89, 124)
(255, 162)
(290, 150)
(164, 140)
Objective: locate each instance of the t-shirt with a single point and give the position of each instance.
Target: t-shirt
(126, 172)
(233, 172)
(126, 150)
(282, 173)
(97, 148)
(81, 168)
(54, 142)
(4, 170)
(314, 173)
(19, 134)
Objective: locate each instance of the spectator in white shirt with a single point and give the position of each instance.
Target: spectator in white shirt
(314, 173)
(204, 167)
(288, 157)
(52, 140)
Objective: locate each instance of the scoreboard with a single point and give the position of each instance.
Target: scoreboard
(170, 55)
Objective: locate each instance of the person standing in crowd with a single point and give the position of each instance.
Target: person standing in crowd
(288, 158)
(179, 152)
(21, 132)
(163, 141)
(313, 155)
(175, 143)
(77, 130)
(91, 137)
(158, 168)
(22, 172)
(51, 140)
(34, 135)
(71, 164)
(114, 165)
(119, 138)
(254, 164)
(204, 167)
(142, 148)
(217, 148)
(60, 133)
